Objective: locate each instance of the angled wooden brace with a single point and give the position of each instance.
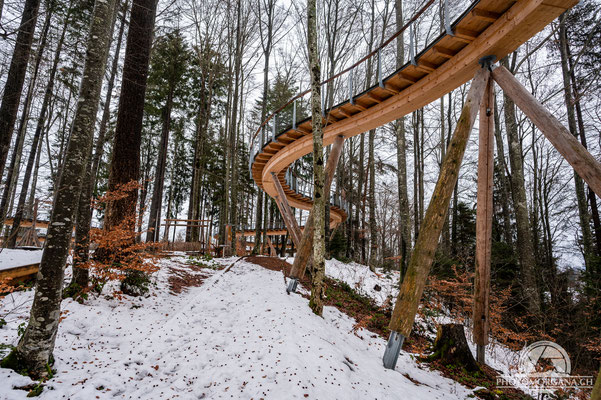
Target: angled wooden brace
(568, 146)
(418, 269)
(304, 250)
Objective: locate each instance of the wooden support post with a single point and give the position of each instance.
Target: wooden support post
(418, 269)
(484, 212)
(568, 146)
(273, 253)
(286, 211)
(304, 251)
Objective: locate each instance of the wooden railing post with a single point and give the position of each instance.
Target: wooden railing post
(484, 222)
(418, 269)
(568, 146)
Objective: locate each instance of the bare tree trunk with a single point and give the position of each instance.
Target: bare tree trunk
(583, 213)
(503, 177)
(84, 211)
(16, 77)
(154, 220)
(106, 112)
(34, 351)
(319, 201)
(576, 98)
(13, 169)
(12, 240)
(518, 189)
(125, 165)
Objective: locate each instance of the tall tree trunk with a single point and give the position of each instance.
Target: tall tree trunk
(80, 277)
(518, 191)
(16, 77)
(591, 194)
(106, 111)
(373, 227)
(319, 201)
(12, 239)
(267, 45)
(34, 351)
(503, 177)
(587, 241)
(125, 165)
(154, 220)
(13, 169)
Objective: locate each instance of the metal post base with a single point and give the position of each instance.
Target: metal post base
(292, 284)
(480, 353)
(391, 355)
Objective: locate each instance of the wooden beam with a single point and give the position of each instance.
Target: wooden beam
(374, 97)
(484, 212)
(286, 211)
(426, 66)
(418, 269)
(568, 146)
(466, 34)
(19, 272)
(390, 88)
(359, 106)
(304, 251)
(485, 15)
(442, 51)
(406, 78)
(344, 112)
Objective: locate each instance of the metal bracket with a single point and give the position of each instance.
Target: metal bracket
(292, 284)
(411, 50)
(393, 349)
(487, 61)
(350, 88)
(380, 82)
(447, 19)
(294, 115)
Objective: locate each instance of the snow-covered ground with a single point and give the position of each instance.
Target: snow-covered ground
(10, 258)
(364, 281)
(237, 336)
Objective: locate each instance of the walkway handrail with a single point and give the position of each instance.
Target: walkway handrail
(356, 64)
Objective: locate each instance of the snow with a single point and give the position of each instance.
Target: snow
(11, 258)
(364, 281)
(239, 335)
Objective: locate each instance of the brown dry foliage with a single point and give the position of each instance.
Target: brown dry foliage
(454, 297)
(6, 287)
(117, 249)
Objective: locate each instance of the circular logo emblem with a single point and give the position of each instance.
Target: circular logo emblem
(544, 359)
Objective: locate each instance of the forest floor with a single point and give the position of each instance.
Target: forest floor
(217, 330)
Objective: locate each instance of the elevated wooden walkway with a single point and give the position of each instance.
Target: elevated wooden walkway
(487, 27)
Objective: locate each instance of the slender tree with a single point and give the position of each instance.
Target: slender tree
(401, 144)
(125, 164)
(169, 65)
(518, 190)
(34, 351)
(16, 77)
(319, 201)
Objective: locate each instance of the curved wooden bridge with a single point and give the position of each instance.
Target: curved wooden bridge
(487, 27)
(486, 31)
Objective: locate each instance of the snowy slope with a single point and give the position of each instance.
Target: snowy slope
(237, 336)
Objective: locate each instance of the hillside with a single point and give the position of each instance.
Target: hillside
(237, 335)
